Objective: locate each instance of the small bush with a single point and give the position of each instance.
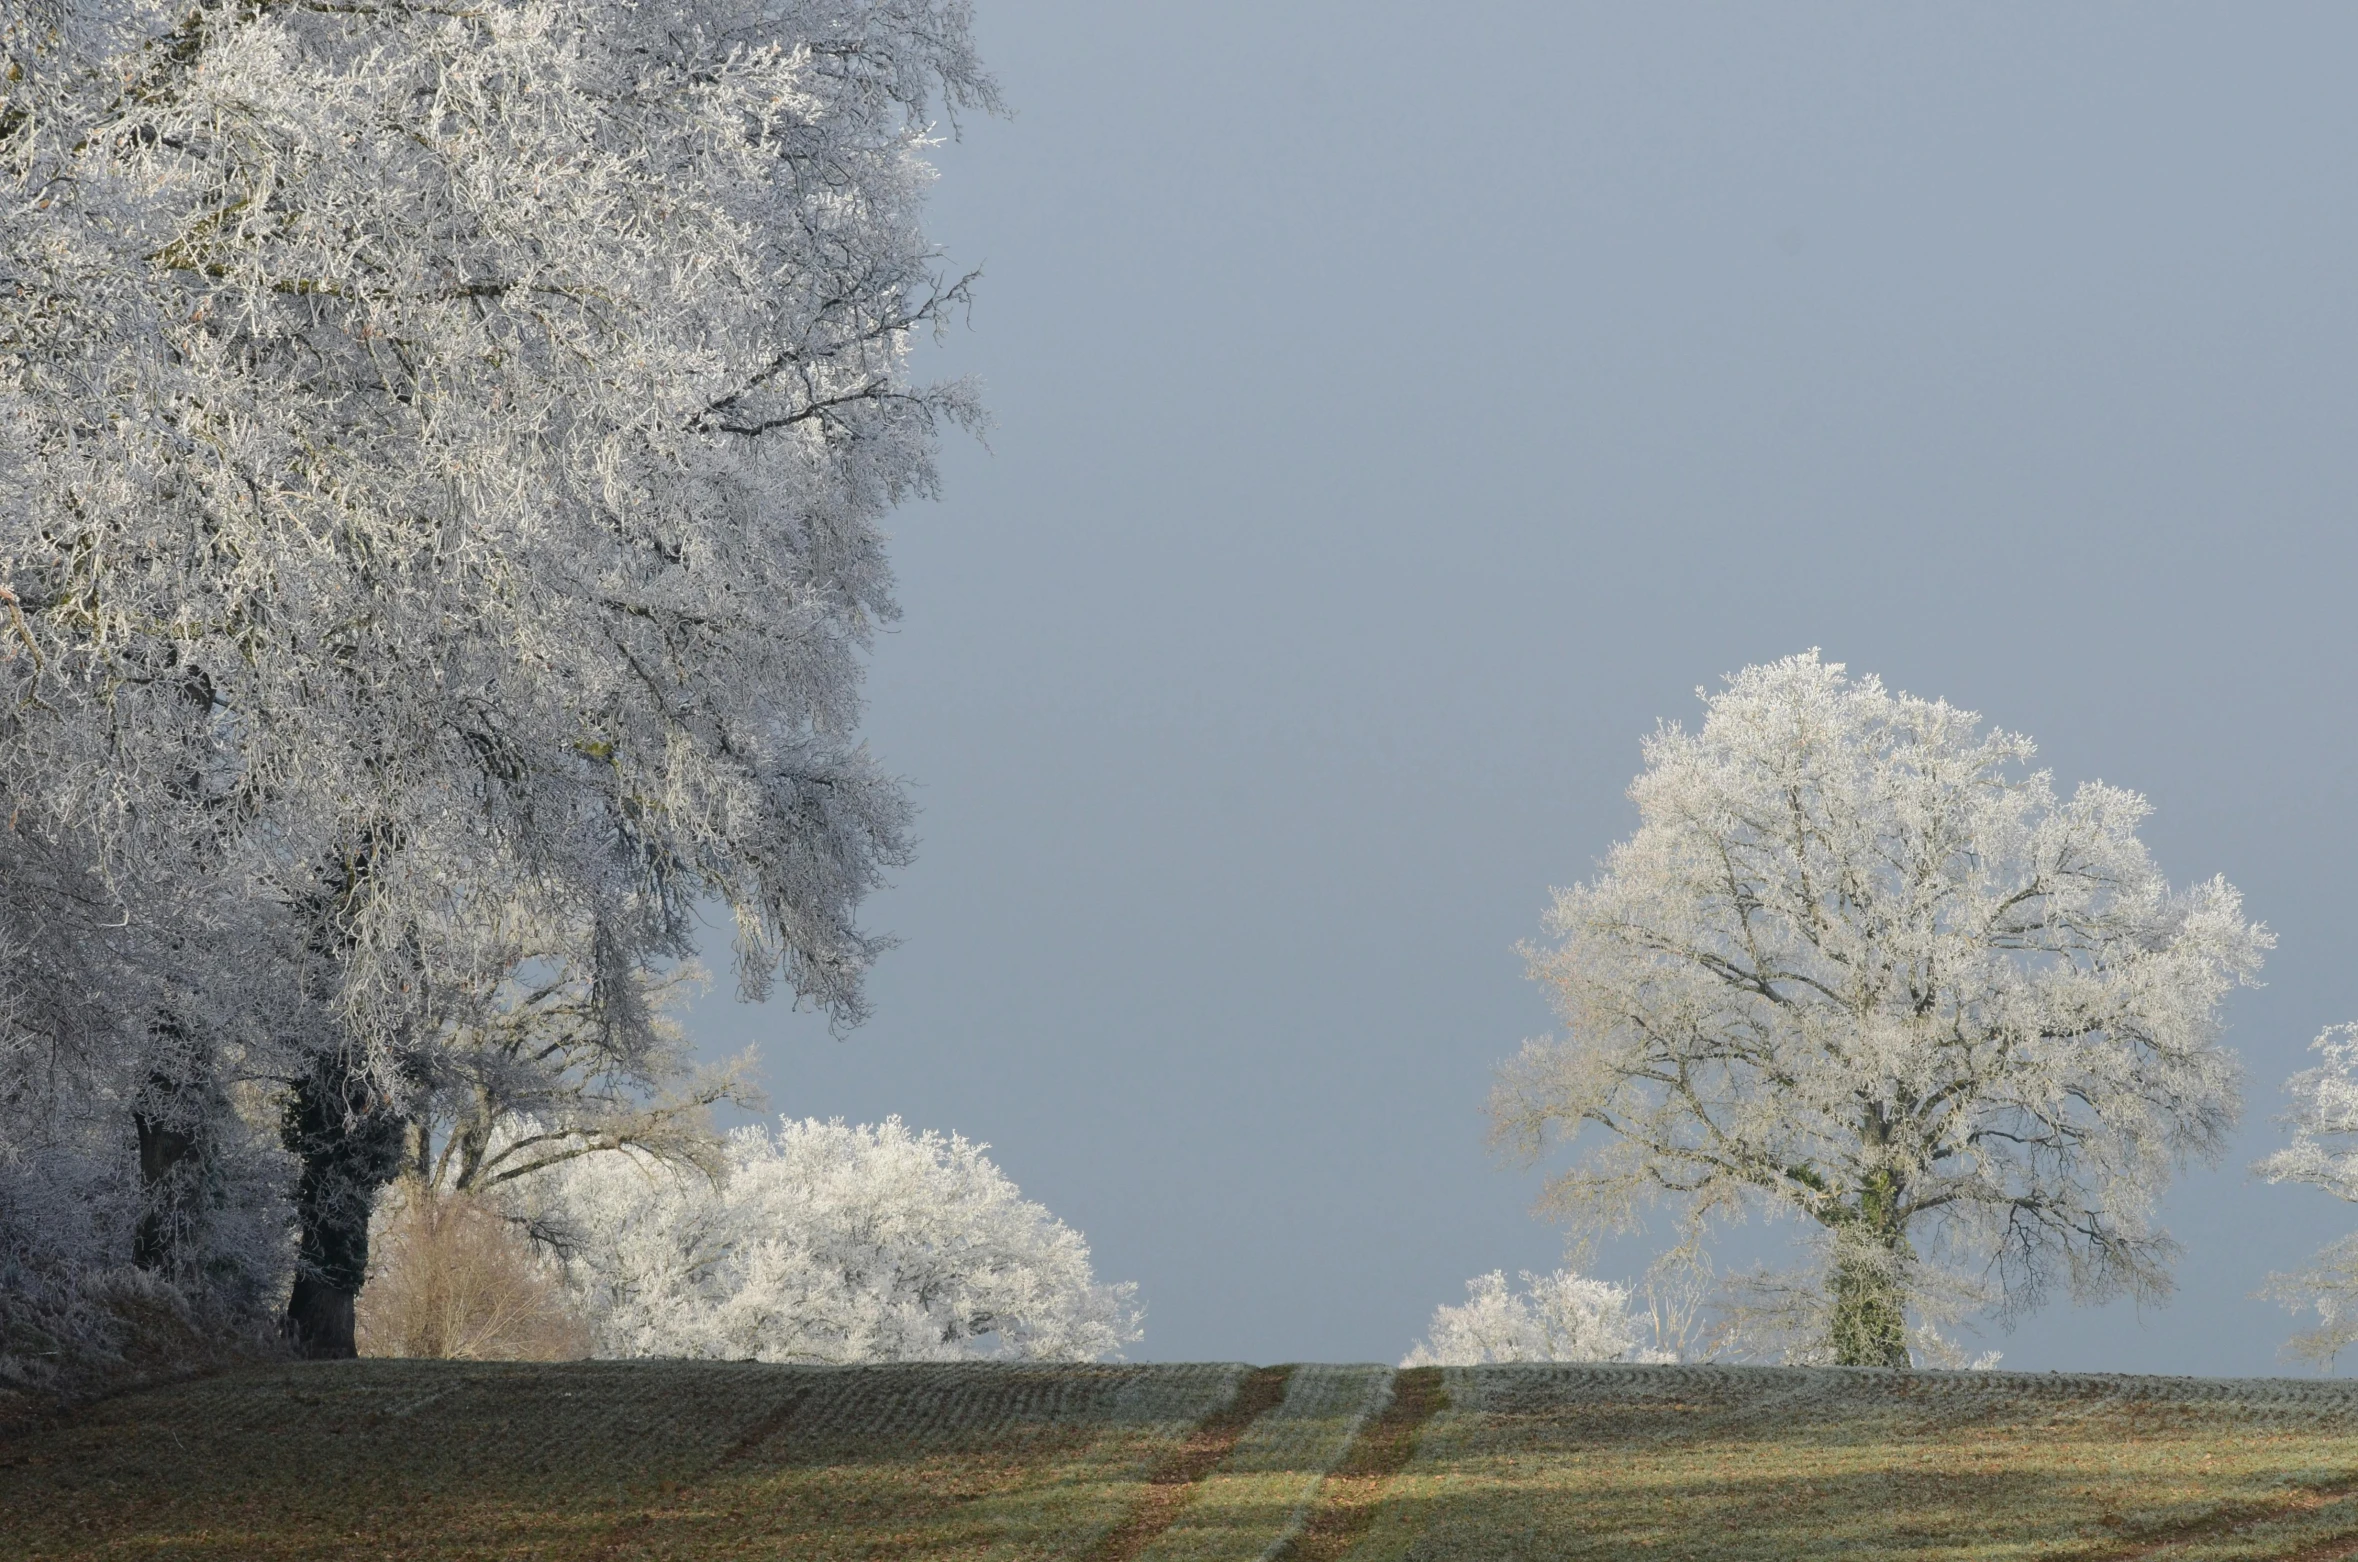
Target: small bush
(454, 1278)
(1555, 1317)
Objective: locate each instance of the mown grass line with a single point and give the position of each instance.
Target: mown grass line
(760, 1432)
(1175, 1479)
(671, 1495)
(1348, 1497)
(2242, 1517)
(2340, 1548)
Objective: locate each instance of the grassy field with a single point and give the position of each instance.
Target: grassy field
(649, 1460)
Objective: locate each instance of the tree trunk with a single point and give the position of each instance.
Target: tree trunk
(319, 1320)
(167, 1167)
(1870, 1325)
(175, 1116)
(168, 1115)
(349, 1140)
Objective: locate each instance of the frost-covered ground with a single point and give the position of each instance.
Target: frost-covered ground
(630, 1460)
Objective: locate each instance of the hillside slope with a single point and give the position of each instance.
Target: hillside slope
(647, 1460)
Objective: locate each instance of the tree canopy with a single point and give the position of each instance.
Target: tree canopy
(824, 1242)
(1861, 965)
(2323, 1154)
(442, 457)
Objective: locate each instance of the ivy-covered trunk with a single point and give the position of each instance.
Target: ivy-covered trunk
(348, 1137)
(1870, 1327)
(1871, 1262)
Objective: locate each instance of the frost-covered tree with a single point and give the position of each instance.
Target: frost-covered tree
(442, 453)
(2324, 1154)
(826, 1243)
(1859, 964)
(1555, 1317)
(542, 1048)
(140, 1182)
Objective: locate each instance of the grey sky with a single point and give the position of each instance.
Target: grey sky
(1401, 408)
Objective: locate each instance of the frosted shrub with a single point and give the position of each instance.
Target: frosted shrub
(74, 1312)
(59, 1211)
(1555, 1317)
(827, 1243)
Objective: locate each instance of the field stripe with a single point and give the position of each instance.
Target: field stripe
(2341, 1548)
(935, 1411)
(1348, 1498)
(763, 1427)
(1256, 1501)
(2250, 1516)
(999, 1462)
(760, 1432)
(1176, 1478)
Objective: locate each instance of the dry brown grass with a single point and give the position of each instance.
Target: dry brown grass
(1267, 1486)
(452, 1279)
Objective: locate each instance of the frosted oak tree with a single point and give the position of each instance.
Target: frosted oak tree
(2323, 1154)
(465, 431)
(826, 1243)
(1861, 965)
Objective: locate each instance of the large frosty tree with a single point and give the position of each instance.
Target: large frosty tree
(1860, 965)
(443, 455)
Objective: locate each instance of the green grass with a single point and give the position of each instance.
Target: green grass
(1263, 1490)
(1738, 1463)
(621, 1461)
(648, 1460)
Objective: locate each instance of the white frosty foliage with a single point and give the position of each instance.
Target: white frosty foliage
(828, 1243)
(443, 452)
(1860, 964)
(1555, 1317)
(2324, 1153)
(2324, 1120)
(70, 1203)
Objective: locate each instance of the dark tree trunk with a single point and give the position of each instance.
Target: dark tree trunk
(348, 1138)
(320, 1320)
(1871, 1265)
(167, 1167)
(172, 1117)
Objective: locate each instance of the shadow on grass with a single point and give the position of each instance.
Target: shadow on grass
(707, 1460)
(606, 1459)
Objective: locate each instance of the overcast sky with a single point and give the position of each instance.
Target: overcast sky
(1401, 408)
